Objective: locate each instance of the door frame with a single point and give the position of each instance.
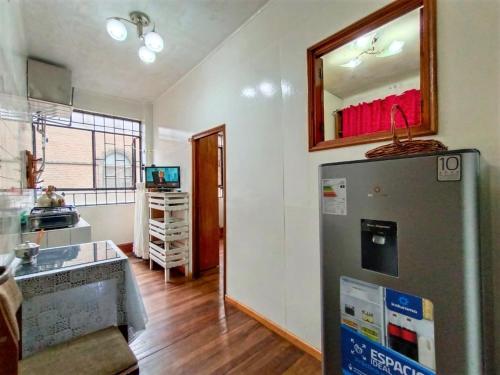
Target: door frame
(195, 248)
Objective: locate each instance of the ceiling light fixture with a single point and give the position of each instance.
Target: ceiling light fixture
(146, 55)
(395, 47)
(116, 29)
(352, 63)
(364, 41)
(153, 42)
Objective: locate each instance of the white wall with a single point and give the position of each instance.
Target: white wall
(393, 88)
(330, 103)
(272, 193)
(14, 125)
(114, 222)
(110, 222)
(110, 105)
(12, 51)
(173, 148)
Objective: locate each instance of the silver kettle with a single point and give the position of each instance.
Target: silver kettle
(27, 252)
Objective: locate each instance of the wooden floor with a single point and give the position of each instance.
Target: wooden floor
(192, 331)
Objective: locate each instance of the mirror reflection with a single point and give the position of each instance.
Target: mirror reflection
(364, 78)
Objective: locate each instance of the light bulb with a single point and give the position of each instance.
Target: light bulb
(153, 41)
(363, 42)
(395, 47)
(352, 63)
(146, 55)
(116, 29)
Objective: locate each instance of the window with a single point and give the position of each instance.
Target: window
(116, 172)
(93, 159)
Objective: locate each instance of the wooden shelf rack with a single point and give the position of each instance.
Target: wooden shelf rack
(169, 231)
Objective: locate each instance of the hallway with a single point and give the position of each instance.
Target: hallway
(191, 331)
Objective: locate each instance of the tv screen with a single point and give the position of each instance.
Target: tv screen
(163, 177)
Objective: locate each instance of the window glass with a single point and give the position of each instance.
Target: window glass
(68, 155)
(92, 159)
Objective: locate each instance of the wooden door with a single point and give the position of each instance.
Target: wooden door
(207, 201)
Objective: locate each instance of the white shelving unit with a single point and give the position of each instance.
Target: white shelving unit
(168, 232)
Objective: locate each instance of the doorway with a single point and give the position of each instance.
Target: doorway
(209, 202)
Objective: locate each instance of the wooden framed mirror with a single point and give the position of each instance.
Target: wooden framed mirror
(357, 74)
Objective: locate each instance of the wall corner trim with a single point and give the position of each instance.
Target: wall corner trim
(287, 335)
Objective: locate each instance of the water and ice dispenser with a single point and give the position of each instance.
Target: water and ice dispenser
(379, 246)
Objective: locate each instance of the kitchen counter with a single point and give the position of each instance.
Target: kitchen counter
(80, 233)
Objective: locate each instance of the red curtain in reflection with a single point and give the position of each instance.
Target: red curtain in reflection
(375, 116)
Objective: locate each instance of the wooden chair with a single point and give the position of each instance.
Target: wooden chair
(104, 352)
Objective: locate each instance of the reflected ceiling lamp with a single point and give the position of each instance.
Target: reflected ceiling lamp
(352, 63)
(152, 41)
(364, 41)
(394, 48)
(267, 88)
(249, 92)
(368, 44)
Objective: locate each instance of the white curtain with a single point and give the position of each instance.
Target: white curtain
(141, 217)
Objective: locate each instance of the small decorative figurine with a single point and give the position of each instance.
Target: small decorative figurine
(49, 198)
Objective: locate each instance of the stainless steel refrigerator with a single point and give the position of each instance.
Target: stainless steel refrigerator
(400, 266)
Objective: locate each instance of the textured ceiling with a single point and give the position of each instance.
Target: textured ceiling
(73, 33)
(375, 71)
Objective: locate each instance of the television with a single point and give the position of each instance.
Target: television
(163, 177)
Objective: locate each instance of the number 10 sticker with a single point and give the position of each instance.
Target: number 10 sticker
(449, 168)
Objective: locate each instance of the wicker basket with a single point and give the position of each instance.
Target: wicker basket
(410, 146)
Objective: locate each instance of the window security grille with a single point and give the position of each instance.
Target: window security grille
(93, 159)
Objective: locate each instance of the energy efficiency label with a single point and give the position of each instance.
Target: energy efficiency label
(334, 196)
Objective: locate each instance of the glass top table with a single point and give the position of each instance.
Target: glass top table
(65, 257)
(77, 289)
